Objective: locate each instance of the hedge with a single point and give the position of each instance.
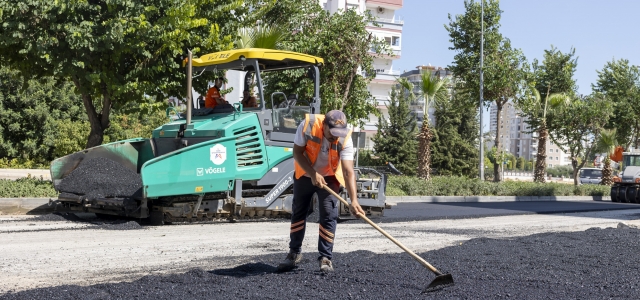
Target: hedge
(30, 187)
(462, 186)
(26, 187)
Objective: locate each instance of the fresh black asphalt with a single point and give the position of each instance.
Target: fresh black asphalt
(592, 264)
(101, 177)
(460, 210)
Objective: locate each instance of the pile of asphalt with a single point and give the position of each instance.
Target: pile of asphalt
(115, 225)
(101, 177)
(592, 264)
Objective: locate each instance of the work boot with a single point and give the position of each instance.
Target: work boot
(292, 260)
(325, 265)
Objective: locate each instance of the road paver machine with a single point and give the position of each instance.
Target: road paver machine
(226, 163)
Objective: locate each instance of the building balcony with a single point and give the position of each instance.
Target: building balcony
(385, 78)
(379, 100)
(389, 72)
(395, 20)
(391, 4)
(388, 25)
(395, 53)
(384, 74)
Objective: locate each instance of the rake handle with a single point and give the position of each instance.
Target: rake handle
(403, 247)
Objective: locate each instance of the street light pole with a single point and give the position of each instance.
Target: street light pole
(481, 86)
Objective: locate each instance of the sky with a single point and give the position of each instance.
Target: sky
(600, 31)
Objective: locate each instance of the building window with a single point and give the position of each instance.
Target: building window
(550, 157)
(557, 150)
(392, 41)
(395, 41)
(557, 157)
(550, 165)
(550, 150)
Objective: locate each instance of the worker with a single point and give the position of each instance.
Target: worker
(213, 96)
(248, 100)
(323, 156)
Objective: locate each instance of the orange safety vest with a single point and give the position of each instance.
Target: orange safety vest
(314, 134)
(210, 98)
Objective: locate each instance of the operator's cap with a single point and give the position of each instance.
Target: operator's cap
(337, 122)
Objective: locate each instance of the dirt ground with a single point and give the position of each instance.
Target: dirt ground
(44, 252)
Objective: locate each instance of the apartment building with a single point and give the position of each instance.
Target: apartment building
(390, 31)
(515, 136)
(555, 156)
(508, 117)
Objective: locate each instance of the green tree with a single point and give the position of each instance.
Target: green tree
(433, 88)
(395, 140)
(512, 162)
(265, 37)
(116, 52)
(137, 121)
(455, 142)
(498, 157)
(343, 85)
(552, 85)
(536, 110)
(503, 65)
(574, 127)
(606, 143)
(30, 117)
(71, 137)
(520, 165)
(620, 82)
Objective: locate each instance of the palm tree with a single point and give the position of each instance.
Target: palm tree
(606, 143)
(407, 89)
(552, 101)
(432, 88)
(261, 37)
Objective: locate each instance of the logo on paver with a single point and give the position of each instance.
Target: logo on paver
(200, 171)
(218, 154)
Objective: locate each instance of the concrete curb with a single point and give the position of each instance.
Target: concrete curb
(14, 174)
(22, 206)
(445, 199)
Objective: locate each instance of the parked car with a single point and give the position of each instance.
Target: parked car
(590, 176)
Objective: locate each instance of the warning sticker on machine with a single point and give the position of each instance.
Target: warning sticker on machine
(218, 154)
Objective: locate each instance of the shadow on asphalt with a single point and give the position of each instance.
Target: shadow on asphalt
(250, 269)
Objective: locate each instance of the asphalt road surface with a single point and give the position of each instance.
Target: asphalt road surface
(457, 210)
(494, 250)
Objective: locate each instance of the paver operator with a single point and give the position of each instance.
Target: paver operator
(323, 155)
(213, 96)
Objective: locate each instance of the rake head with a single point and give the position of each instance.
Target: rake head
(441, 281)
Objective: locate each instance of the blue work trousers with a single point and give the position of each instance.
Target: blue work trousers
(303, 190)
